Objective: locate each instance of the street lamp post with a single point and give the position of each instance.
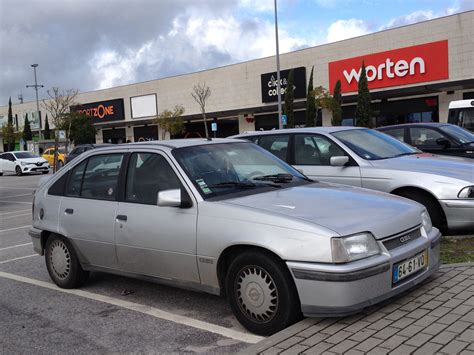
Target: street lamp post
(36, 86)
(280, 123)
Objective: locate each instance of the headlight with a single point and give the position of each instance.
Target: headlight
(426, 221)
(23, 163)
(467, 192)
(354, 247)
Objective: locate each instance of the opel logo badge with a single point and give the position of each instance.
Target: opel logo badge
(254, 294)
(405, 238)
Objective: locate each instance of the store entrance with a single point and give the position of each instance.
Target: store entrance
(145, 133)
(114, 136)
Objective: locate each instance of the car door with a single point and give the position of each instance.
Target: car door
(8, 162)
(150, 239)
(48, 156)
(426, 139)
(312, 156)
(87, 212)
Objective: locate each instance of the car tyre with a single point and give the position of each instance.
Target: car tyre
(18, 171)
(262, 293)
(433, 208)
(45, 172)
(62, 263)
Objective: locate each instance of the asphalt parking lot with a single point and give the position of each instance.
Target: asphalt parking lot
(108, 314)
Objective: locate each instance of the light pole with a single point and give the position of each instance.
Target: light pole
(36, 86)
(280, 124)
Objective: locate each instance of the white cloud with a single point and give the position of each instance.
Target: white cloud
(343, 29)
(258, 5)
(414, 17)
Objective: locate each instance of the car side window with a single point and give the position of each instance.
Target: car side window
(424, 137)
(75, 180)
(9, 157)
(57, 189)
(312, 149)
(397, 133)
(148, 174)
(275, 144)
(101, 177)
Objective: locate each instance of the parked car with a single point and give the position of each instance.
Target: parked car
(461, 113)
(22, 162)
(228, 218)
(78, 150)
(436, 138)
(49, 156)
(371, 159)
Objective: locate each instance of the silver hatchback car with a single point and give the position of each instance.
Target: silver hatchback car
(228, 218)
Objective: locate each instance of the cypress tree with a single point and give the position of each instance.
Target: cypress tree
(27, 134)
(10, 115)
(337, 101)
(289, 101)
(363, 113)
(310, 116)
(47, 131)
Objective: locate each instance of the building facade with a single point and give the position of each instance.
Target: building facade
(413, 72)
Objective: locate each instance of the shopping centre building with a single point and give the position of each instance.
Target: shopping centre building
(413, 71)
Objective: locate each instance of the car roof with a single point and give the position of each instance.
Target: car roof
(300, 130)
(174, 143)
(428, 124)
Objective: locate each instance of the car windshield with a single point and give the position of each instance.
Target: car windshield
(462, 135)
(222, 169)
(374, 145)
(25, 155)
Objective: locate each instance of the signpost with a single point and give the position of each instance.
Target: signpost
(284, 120)
(214, 128)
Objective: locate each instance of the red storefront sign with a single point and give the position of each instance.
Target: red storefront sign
(403, 66)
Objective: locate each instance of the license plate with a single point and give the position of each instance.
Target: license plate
(410, 266)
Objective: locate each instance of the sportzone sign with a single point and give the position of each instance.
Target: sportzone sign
(403, 66)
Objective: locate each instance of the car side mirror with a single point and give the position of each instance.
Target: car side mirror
(172, 198)
(444, 142)
(339, 161)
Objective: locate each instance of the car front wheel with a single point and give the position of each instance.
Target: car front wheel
(18, 171)
(262, 293)
(62, 263)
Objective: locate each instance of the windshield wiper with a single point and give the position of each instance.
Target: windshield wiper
(278, 178)
(403, 154)
(245, 185)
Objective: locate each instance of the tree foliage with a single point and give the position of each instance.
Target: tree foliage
(81, 129)
(10, 114)
(8, 134)
(290, 100)
(200, 93)
(363, 112)
(337, 109)
(171, 121)
(27, 134)
(311, 111)
(47, 131)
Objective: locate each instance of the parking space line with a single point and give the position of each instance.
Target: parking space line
(21, 202)
(152, 311)
(22, 195)
(5, 213)
(19, 258)
(18, 215)
(14, 229)
(16, 246)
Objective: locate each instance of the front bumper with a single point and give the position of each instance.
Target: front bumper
(33, 168)
(342, 289)
(459, 213)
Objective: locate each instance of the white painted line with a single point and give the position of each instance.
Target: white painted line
(16, 246)
(14, 229)
(27, 203)
(22, 195)
(5, 213)
(18, 215)
(19, 258)
(152, 311)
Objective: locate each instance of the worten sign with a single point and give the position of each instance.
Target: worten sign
(403, 66)
(269, 84)
(102, 111)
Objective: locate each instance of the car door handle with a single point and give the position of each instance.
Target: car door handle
(121, 217)
(69, 211)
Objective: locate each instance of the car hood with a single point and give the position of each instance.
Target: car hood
(454, 167)
(343, 209)
(34, 160)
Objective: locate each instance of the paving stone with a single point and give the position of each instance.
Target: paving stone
(338, 337)
(386, 333)
(343, 346)
(378, 351)
(461, 309)
(464, 295)
(423, 299)
(444, 337)
(289, 342)
(368, 344)
(439, 311)
(354, 352)
(393, 342)
(452, 303)
(294, 350)
(318, 348)
(411, 330)
(469, 317)
(396, 315)
(428, 348)
(466, 352)
(431, 305)
(402, 323)
(404, 300)
(333, 329)
(272, 351)
(419, 339)
(456, 289)
(403, 350)
(418, 313)
(454, 347)
(410, 306)
(458, 326)
(355, 327)
(317, 327)
(467, 335)
(390, 308)
(362, 335)
(443, 297)
(470, 301)
(314, 339)
(374, 317)
(434, 328)
(380, 324)
(448, 318)
(426, 320)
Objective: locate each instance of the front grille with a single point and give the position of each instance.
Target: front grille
(401, 239)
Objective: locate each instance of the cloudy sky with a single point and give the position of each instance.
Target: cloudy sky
(96, 44)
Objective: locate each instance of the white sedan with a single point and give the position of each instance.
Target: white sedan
(22, 162)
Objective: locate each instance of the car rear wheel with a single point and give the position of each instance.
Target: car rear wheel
(18, 171)
(62, 263)
(262, 293)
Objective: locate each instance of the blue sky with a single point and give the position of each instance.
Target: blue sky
(96, 44)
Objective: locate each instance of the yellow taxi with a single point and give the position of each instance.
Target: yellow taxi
(49, 156)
